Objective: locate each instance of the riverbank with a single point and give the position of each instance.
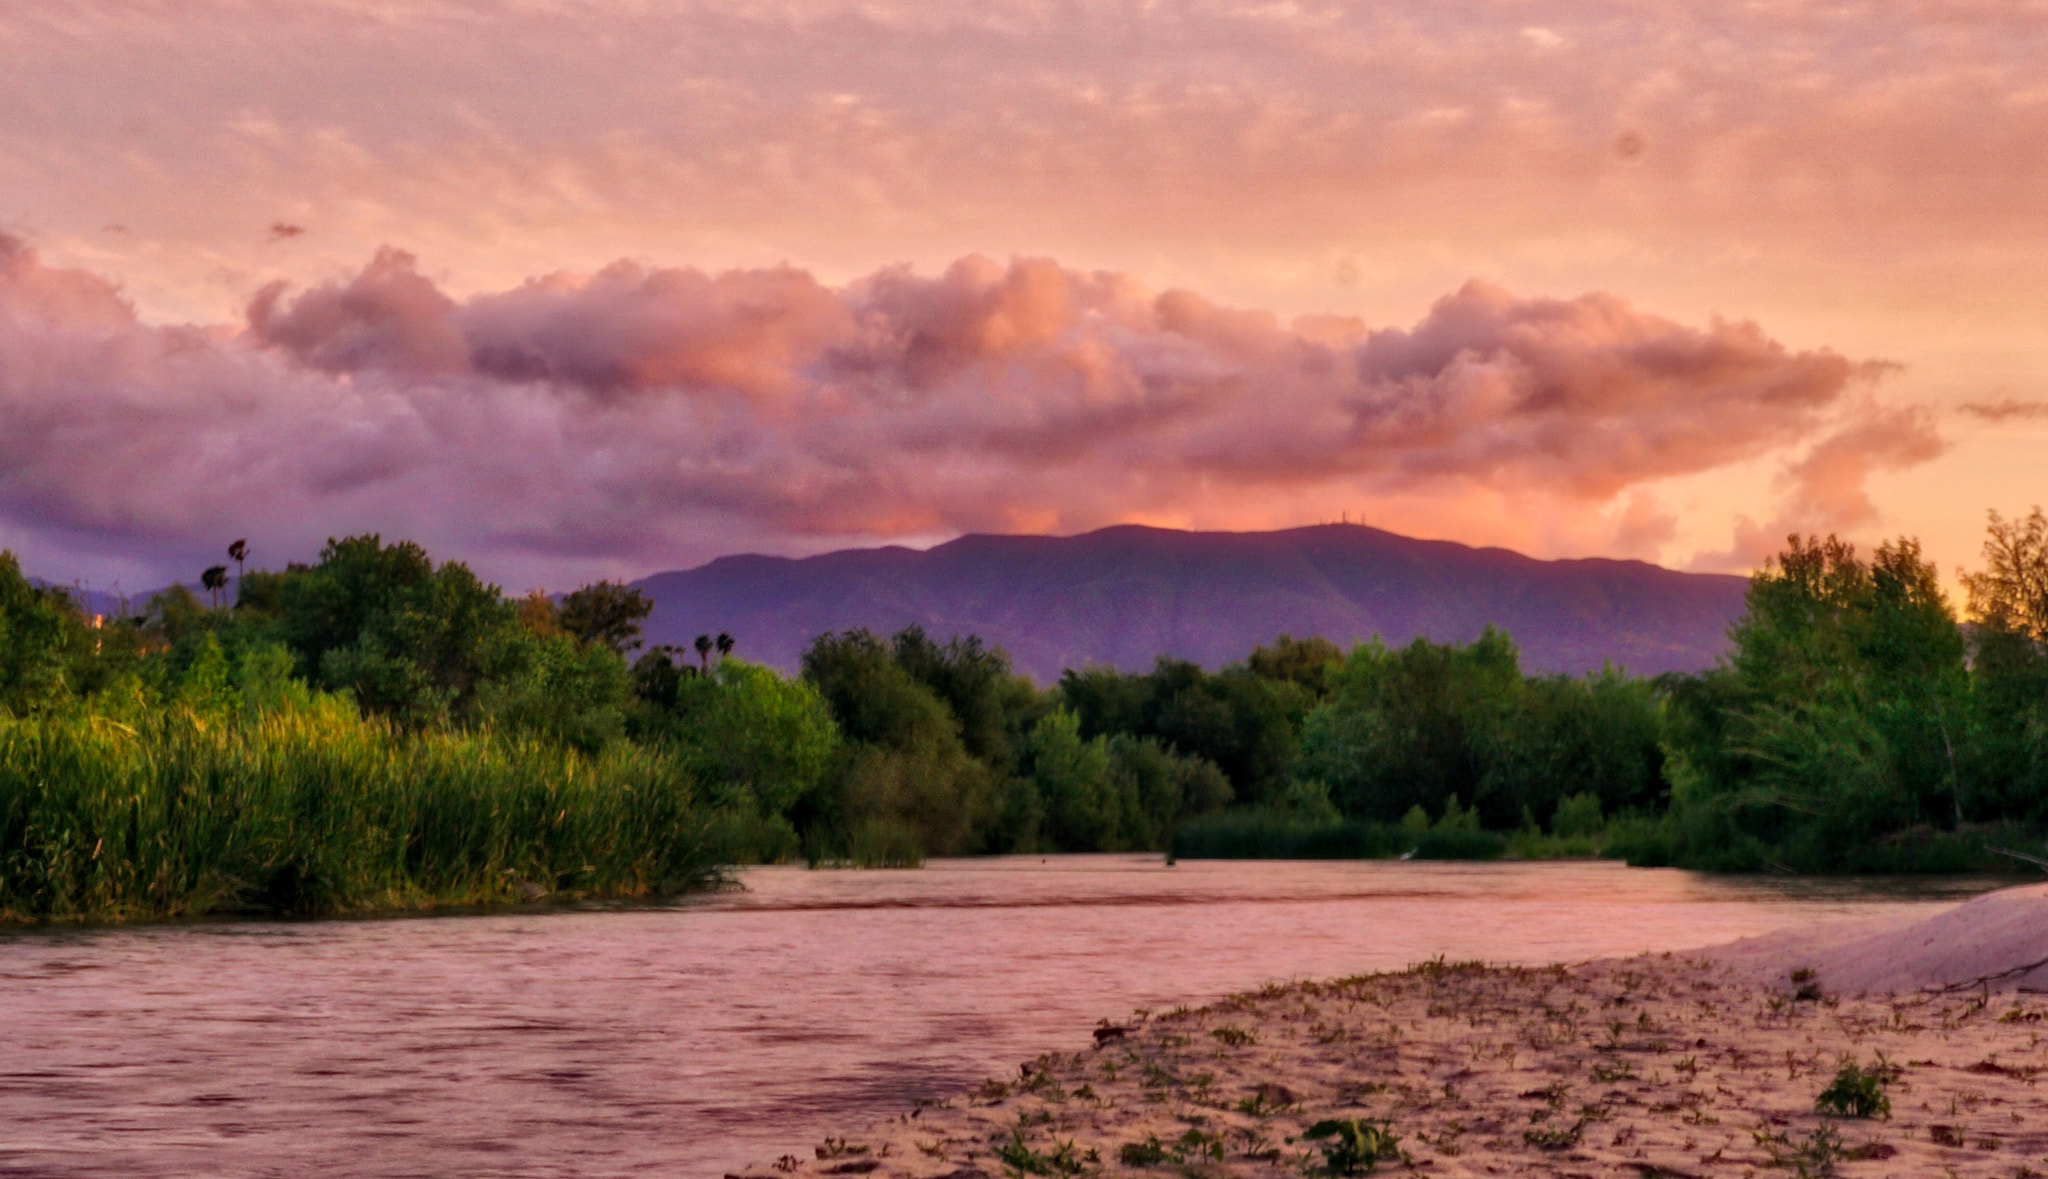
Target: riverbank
(1672, 1065)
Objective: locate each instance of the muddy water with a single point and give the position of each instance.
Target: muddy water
(686, 1040)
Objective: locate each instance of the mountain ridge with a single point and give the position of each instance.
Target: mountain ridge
(1127, 594)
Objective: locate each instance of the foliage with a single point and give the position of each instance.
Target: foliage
(1245, 719)
(376, 728)
(250, 796)
(40, 641)
(1423, 724)
(605, 614)
(1843, 718)
(1353, 1145)
(408, 639)
(1857, 1092)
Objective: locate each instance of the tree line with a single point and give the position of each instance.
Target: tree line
(1859, 722)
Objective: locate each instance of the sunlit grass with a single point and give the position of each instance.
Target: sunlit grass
(312, 809)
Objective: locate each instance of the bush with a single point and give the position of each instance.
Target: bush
(1857, 1092)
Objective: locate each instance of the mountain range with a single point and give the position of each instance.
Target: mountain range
(1125, 595)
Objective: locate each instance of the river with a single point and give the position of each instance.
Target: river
(691, 1038)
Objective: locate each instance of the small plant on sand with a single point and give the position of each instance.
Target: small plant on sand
(1234, 1037)
(1857, 1092)
(1191, 1147)
(1266, 1098)
(1556, 1137)
(1812, 1158)
(1806, 985)
(1607, 1074)
(1018, 1157)
(1354, 1146)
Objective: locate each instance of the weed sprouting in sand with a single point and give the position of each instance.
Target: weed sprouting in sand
(1556, 1137)
(1193, 1146)
(1353, 1146)
(1019, 1158)
(1811, 1158)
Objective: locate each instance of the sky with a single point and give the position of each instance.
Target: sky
(572, 290)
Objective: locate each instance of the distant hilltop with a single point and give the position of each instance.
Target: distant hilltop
(1126, 595)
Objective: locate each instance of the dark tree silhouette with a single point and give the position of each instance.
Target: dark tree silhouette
(605, 613)
(703, 645)
(238, 552)
(724, 645)
(214, 579)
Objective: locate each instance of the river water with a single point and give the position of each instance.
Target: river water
(689, 1039)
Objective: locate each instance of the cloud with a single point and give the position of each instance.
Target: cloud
(1826, 490)
(2010, 409)
(641, 417)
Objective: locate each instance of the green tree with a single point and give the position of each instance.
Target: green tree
(409, 639)
(605, 614)
(992, 704)
(41, 637)
(905, 767)
(1414, 726)
(2008, 601)
(754, 738)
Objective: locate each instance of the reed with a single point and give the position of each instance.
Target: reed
(312, 809)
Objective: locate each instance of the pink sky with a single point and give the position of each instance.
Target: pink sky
(573, 289)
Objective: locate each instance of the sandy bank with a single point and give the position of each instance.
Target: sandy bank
(1672, 1066)
(1996, 942)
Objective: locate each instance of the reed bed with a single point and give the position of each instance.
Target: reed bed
(315, 810)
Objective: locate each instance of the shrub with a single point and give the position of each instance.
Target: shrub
(1857, 1092)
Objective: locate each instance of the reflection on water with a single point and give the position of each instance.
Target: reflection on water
(689, 1039)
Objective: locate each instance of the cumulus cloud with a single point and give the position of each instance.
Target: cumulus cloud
(1825, 491)
(641, 417)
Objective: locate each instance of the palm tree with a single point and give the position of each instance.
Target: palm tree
(724, 645)
(215, 579)
(238, 552)
(703, 646)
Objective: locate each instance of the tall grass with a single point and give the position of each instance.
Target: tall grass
(311, 809)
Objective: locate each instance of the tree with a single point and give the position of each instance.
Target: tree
(1414, 726)
(724, 644)
(2008, 748)
(605, 614)
(39, 633)
(238, 552)
(410, 639)
(1301, 661)
(214, 580)
(704, 645)
(993, 705)
(905, 767)
(538, 614)
(2012, 592)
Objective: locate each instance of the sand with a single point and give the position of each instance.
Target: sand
(1998, 941)
(1693, 1065)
